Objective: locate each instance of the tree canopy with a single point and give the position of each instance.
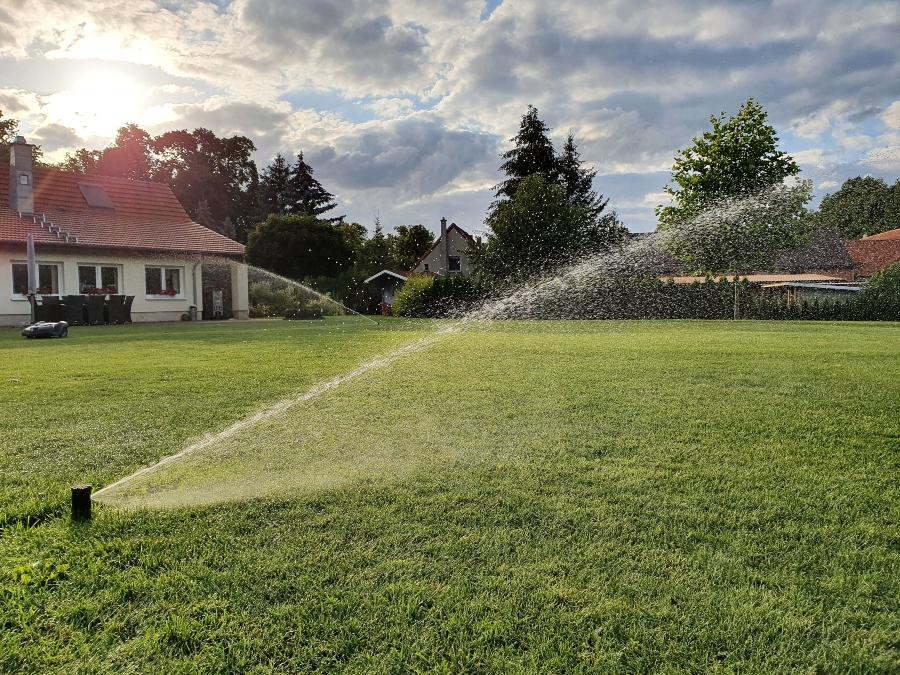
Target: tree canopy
(535, 231)
(306, 194)
(299, 247)
(532, 154)
(524, 236)
(862, 206)
(736, 157)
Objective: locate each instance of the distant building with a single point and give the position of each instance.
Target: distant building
(448, 256)
(824, 259)
(875, 253)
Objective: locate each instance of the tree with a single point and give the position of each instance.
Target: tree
(376, 252)
(532, 153)
(408, 244)
(535, 231)
(275, 188)
(739, 156)
(204, 216)
(307, 196)
(862, 206)
(732, 212)
(578, 182)
(9, 129)
(82, 161)
(298, 247)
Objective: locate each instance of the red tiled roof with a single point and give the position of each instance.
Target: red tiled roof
(893, 235)
(146, 216)
(873, 254)
(756, 278)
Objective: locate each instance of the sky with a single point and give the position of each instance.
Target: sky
(402, 107)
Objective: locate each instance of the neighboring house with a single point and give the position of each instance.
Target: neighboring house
(96, 234)
(449, 255)
(824, 259)
(875, 253)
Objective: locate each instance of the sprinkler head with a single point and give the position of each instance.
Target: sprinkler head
(81, 502)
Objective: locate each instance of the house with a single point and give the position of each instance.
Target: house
(824, 259)
(875, 253)
(449, 255)
(103, 235)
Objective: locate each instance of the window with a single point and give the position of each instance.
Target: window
(453, 263)
(426, 267)
(163, 281)
(100, 279)
(47, 278)
(23, 179)
(95, 196)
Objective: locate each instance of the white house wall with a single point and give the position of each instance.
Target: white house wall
(14, 309)
(458, 246)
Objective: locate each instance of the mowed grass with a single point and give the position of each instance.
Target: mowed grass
(612, 497)
(95, 406)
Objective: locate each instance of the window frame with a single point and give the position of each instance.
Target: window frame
(450, 259)
(60, 278)
(98, 276)
(162, 277)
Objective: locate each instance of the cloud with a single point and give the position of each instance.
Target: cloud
(636, 80)
(53, 137)
(891, 116)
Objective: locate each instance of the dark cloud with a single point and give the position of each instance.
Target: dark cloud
(413, 157)
(54, 137)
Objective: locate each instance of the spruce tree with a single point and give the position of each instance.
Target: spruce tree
(275, 187)
(578, 182)
(307, 196)
(532, 154)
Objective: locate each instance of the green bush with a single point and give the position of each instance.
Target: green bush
(880, 298)
(289, 302)
(433, 297)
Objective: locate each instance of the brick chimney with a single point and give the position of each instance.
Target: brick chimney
(444, 267)
(21, 176)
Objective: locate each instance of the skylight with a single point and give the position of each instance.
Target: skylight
(95, 196)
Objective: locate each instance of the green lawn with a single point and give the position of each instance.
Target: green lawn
(609, 496)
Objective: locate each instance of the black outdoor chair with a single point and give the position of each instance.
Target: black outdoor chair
(75, 310)
(116, 311)
(95, 306)
(49, 309)
(128, 300)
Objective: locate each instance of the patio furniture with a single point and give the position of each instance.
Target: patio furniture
(96, 304)
(49, 309)
(74, 310)
(116, 309)
(128, 300)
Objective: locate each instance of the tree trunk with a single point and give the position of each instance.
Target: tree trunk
(737, 304)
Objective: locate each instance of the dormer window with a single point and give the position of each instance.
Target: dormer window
(95, 196)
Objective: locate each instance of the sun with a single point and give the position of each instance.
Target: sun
(98, 103)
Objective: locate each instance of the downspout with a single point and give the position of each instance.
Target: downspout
(194, 285)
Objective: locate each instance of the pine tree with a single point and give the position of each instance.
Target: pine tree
(376, 252)
(578, 182)
(203, 215)
(307, 196)
(533, 154)
(275, 187)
